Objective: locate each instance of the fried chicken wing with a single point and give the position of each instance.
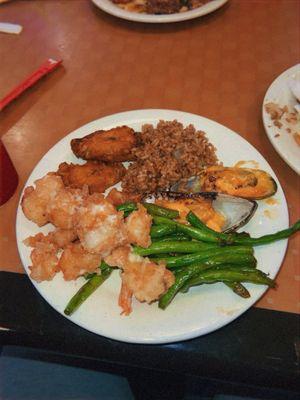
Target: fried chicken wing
(97, 176)
(112, 145)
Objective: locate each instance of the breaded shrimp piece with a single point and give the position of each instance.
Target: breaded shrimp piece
(100, 227)
(44, 262)
(112, 145)
(98, 176)
(146, 279)
(63, 206)
(116, 197)
(75, 261)
(138, 225)
(59, 238)
(35, 200)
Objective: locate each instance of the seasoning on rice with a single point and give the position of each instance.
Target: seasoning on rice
(166, 154)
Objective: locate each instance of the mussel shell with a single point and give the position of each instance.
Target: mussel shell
(251, 184)
(237, 211)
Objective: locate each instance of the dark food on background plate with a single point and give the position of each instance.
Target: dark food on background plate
(183, 233)
(159, 6)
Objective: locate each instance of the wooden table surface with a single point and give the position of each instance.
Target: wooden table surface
(218, 66)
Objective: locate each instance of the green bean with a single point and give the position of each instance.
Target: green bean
(216, 265)
(154, 209)
(159, 231)
(241, 239)
(173, 247)
(223, 254)
(176, 236)
(88, 288)
(195, 275)
(127, 208)
(238, 289)
(186, 229)
(231, 275)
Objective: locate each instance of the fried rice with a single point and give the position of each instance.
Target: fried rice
(165, 154)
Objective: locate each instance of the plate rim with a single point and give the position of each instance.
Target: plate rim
(275, 143)
(157, 19)
(175, 338)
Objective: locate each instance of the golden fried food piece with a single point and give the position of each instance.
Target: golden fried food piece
(76, 261)
(138, 225)
(144, 279)
(63, 206)
(97, 176)
(59, 238)
(44, 262)
(116, 197)
(99, 226)
(35, 200)
(111, 146)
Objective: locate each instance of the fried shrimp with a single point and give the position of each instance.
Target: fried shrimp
(35, 200)
(44, 262)
(63, 206)
(75, 261)
(100, 227)
(112, 145)
(59, 238)
(138, 226)
(98, 176)
(145, 279)
(116, 197)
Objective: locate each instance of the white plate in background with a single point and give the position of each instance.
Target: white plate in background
(111, 8)
(203, 309)
(280, 93)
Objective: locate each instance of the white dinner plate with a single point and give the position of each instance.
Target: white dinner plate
(280, 93)
(203, 309)
(111, 8)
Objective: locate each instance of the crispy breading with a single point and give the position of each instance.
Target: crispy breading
(59, 238)
(114, 145)
(44, 262)
(116, 197)
(145, 279)
(138, 225)
(76, 261)
(100, 227)
(98, 176)
(35, 200)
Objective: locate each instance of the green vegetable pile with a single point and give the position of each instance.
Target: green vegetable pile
(195, 253)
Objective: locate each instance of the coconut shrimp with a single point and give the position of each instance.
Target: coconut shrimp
(138, 225)
(100, 227)
(76, 261)
(144, 279)
(44, 262)
(35, 200)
